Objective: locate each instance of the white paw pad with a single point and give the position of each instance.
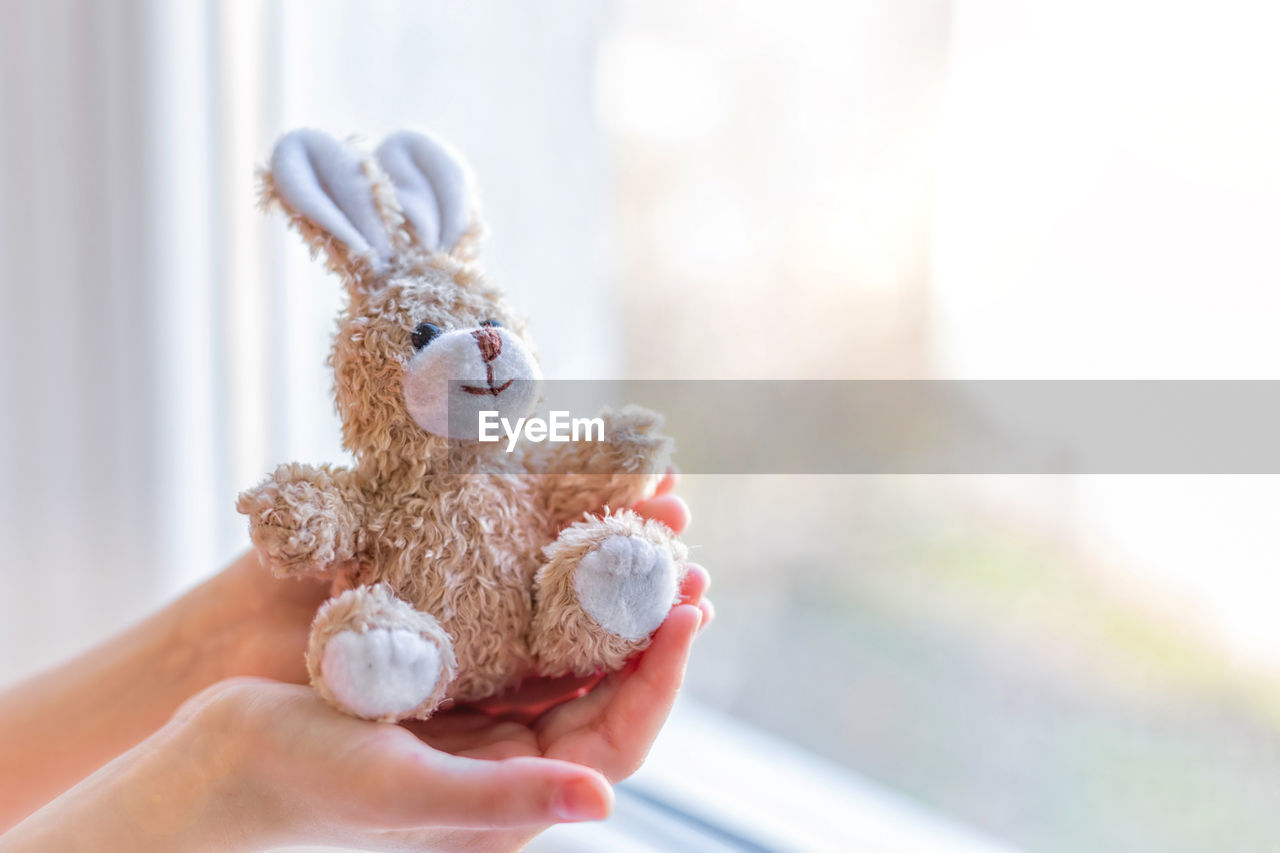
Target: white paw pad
(380, 672)
(627, 585)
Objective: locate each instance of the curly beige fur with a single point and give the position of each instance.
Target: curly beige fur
(306, 519)
(479, 564)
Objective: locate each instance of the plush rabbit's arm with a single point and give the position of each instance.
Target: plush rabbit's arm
(305, 519)
(623, 469)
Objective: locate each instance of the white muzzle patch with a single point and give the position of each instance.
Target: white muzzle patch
(466, 371)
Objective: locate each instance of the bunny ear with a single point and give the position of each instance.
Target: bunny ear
(434, 188)
(328, 193)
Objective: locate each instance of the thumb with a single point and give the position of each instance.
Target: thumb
(440, 789)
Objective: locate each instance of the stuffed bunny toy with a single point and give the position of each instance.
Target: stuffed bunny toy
(458, 567)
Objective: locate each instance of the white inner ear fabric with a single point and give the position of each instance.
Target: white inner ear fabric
(324, 180)
(413, 191)
(433, 186)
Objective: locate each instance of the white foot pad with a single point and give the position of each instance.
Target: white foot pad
(380, 672)
(627, 585)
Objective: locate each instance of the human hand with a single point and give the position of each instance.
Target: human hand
(251, 763)
(241, 622)
(519, 769)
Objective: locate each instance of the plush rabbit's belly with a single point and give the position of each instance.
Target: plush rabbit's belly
(475, 577)
(486, 608)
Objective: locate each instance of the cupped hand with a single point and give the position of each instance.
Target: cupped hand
(305, 773)
(256, 762)
(610, 727)
(540, 738)
(252, 762)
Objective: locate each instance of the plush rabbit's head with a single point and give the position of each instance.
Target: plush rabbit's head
(426, 343)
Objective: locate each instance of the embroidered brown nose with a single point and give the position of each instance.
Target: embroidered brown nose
(490, 343)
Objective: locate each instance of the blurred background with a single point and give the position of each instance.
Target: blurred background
(865, 189)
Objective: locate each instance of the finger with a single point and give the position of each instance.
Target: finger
(464, 739)
(671, 510)
(695, 583)
(587, 712)
(499, 750)
(505, 739)
(582, 712)
(643, 700)
(668, 482)
(439, 789)
(454, 722)
(536, 695)
(389, 779)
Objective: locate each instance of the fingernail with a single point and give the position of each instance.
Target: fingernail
(580, 800)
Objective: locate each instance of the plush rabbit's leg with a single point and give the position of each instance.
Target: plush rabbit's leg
(374, 656)
(606, 586)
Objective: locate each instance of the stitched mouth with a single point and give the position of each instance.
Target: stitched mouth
(493, 390)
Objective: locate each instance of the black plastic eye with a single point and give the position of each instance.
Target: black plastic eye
(493, 323)
(424, 333)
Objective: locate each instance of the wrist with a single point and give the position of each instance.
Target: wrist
(133, 682)
(183, 789)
